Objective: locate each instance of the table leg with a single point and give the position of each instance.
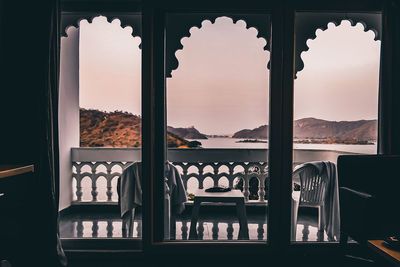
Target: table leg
(241, 213)
(295, 208)
(172, 227)
(195, 217)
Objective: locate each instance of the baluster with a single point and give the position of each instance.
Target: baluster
(246, 191)
(200, 230)
(185, 173)
(78, 178)
(95, 228)
(266, 187)
(229, 231)
(139, 228)
(230, 178)
(94, 187)
(184, 230)
(201, 175)
(109, 177)
(215, 167)
(109, 228)
(260, 231)
(79, 228)
(320, 235)
(215, 230)
(305, 232)
(261, 188)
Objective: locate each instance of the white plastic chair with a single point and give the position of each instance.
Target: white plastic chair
(313, 189)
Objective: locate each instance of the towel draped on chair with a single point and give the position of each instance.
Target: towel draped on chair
(131, 188)
(331, 212)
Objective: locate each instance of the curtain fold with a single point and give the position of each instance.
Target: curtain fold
(396, 77)
(48, 165)
(29, 60)
(389, 89)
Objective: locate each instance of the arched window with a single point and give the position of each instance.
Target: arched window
(100, 106)
(217, 90)
(335, 108)
(221, 84)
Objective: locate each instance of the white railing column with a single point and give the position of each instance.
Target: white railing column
(94, 186)
(109, 228)
(261, 189)
(78, 178)
(246, 190)
(109, 178)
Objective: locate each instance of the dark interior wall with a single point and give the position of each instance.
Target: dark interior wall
(395, 23)
(23, 46)
(23, 49)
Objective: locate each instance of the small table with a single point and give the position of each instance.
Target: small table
(389, 254)
(233, 196)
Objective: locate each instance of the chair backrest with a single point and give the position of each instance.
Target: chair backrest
(313, 186)
(377, 175)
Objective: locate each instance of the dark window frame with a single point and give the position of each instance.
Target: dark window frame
(281, 111)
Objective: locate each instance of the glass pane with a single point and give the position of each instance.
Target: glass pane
(100, 128)
(335, 112)
(217, 126)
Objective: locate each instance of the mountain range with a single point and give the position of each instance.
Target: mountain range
(116, 129)
(187, 133)
(123, 129)
(312, 128)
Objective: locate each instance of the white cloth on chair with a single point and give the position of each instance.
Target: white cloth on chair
(131, 192)
(331, 217)
(131, 187)
(176, 188)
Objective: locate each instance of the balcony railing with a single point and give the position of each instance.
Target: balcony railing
(95, 170)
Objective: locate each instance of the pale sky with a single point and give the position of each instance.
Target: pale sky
(222, 82)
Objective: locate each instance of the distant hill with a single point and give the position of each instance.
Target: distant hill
(187, 133)
(116, 129)
(257, 133)
(311, 128)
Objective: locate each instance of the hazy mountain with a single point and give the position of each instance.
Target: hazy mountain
(311, 128)
(187, 133)
(116, 129)
(260, 133)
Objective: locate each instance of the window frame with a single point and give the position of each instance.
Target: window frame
(281, 113)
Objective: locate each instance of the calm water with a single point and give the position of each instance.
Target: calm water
(232, 143)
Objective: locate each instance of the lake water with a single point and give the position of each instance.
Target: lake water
(232, 143)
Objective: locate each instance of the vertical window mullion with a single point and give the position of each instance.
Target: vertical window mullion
(281, 120)
(153, 124)
(287, 123)
(276, 137)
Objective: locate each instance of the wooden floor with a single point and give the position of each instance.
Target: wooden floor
(211, 226)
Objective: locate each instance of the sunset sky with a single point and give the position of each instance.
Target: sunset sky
(222, 82)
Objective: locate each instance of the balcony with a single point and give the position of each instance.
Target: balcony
(94, 212)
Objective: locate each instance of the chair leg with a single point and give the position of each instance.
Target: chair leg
(172, 227)
(294, 209)
(130, 223)
(343, 240)
(321, 223)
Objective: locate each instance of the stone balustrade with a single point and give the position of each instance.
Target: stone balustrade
(95, 170)
(208, 229)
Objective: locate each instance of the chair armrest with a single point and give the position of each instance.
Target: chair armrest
(345, 191)
(357, 213)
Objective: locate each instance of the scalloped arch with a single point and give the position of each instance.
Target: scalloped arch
(73, 20)
(179, 25)
(308, 23)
